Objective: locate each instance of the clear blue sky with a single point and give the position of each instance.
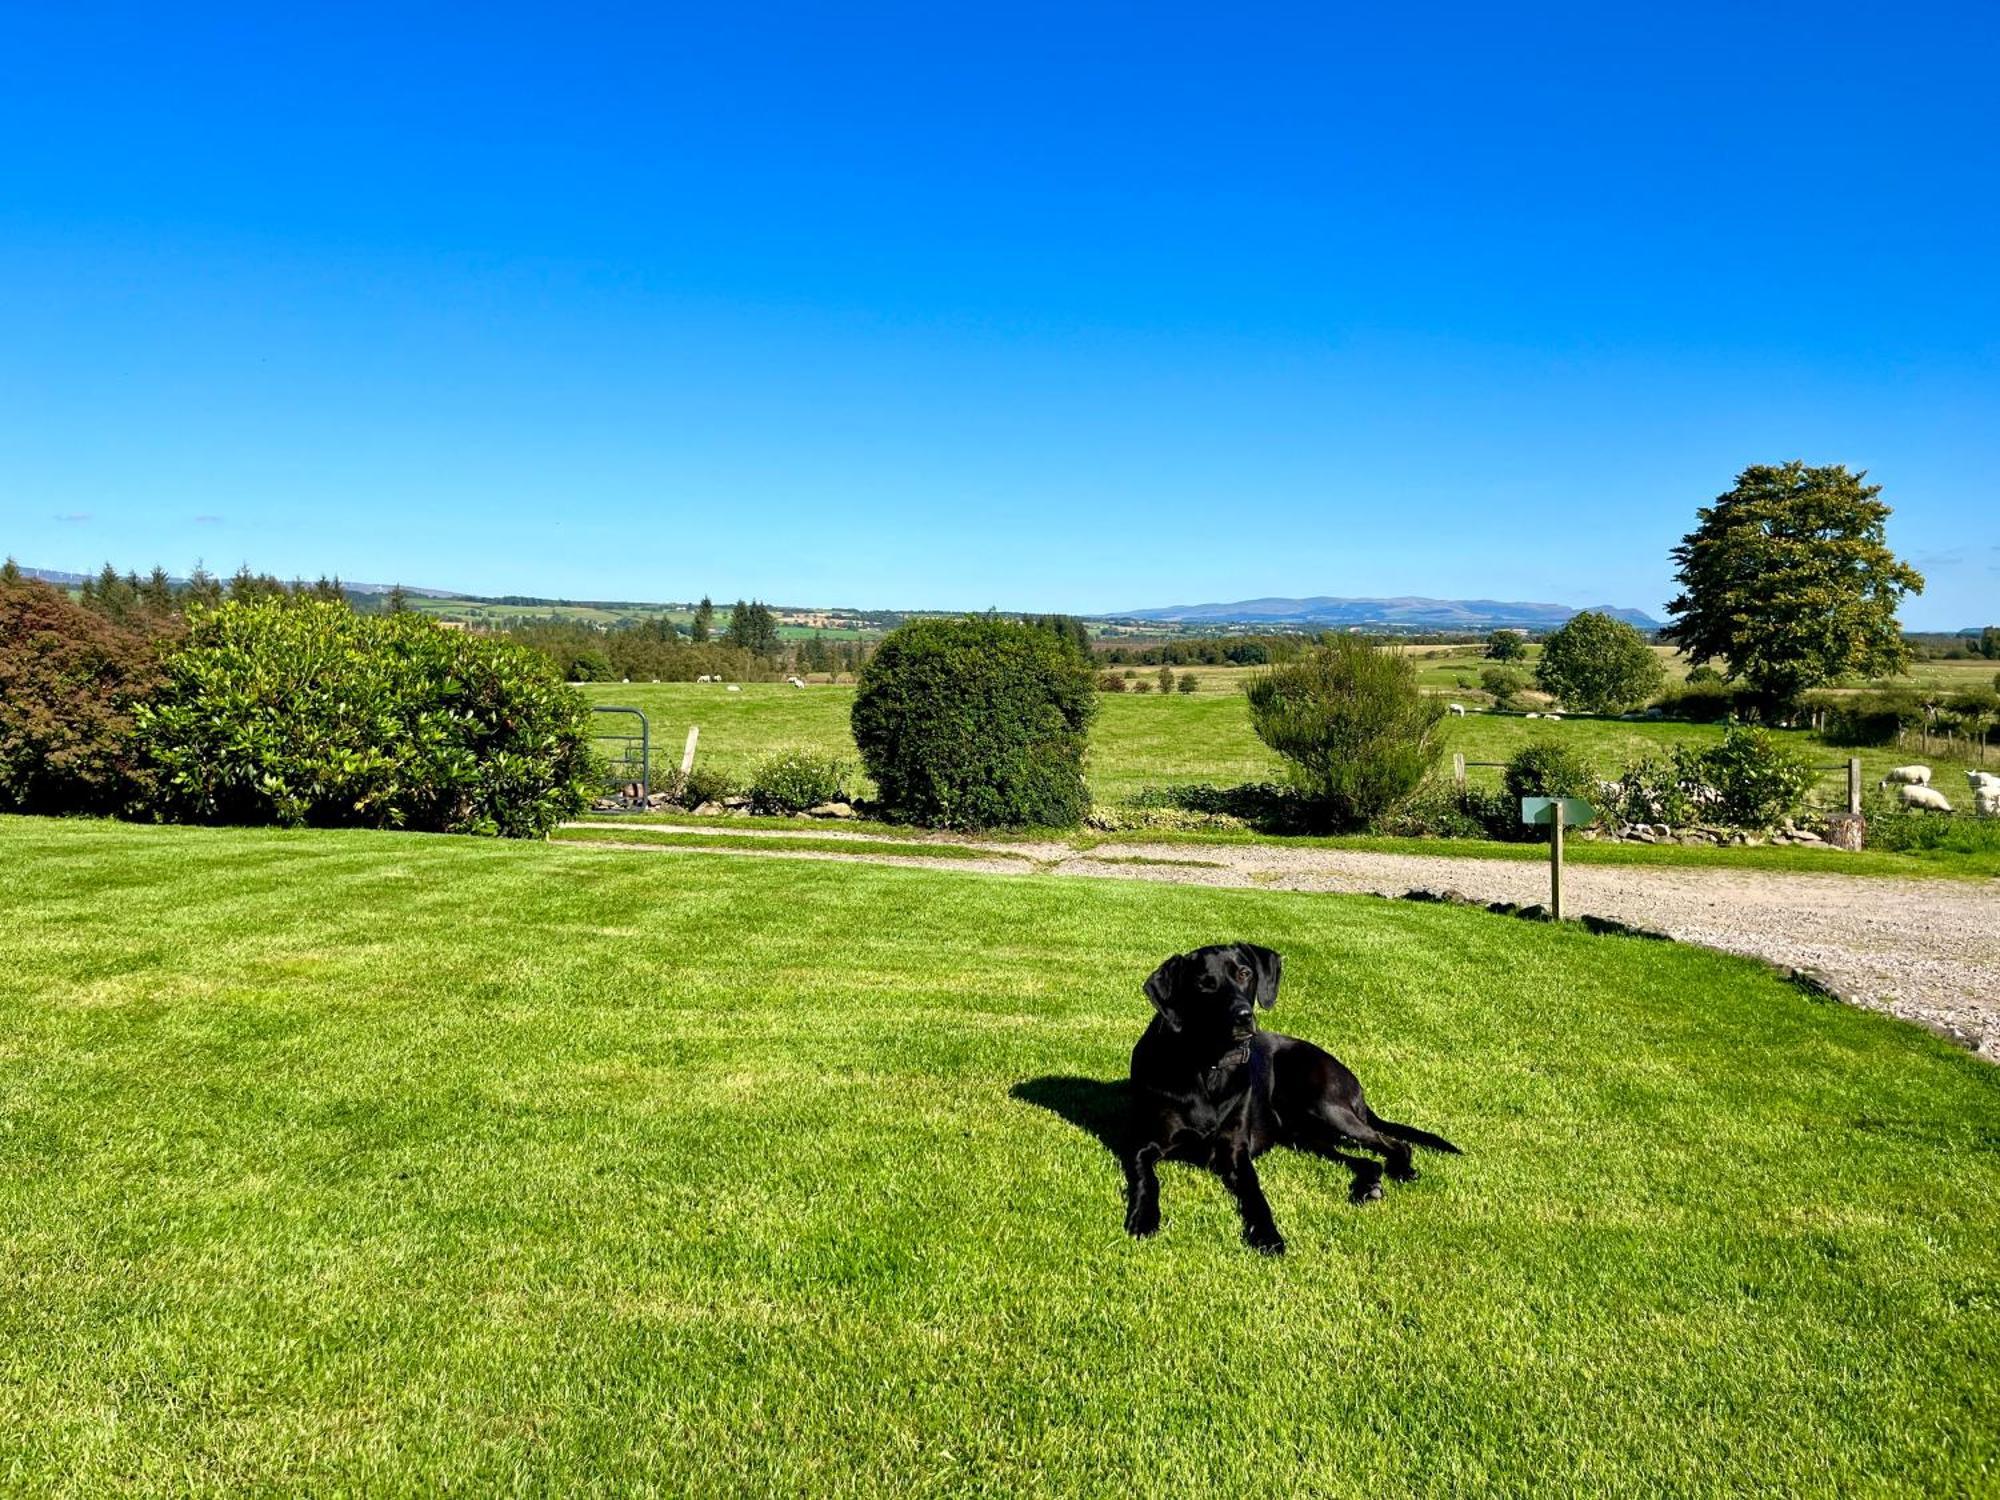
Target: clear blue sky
(1055, 307)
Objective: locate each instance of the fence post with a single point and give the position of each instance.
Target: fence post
(1854, 785)
(687, 755)
(1458, 768)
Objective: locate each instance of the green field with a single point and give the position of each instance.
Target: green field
(1153, 740)
(346, 1162)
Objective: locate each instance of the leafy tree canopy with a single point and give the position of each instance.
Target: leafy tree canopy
(1598, 665)
(1788, 582)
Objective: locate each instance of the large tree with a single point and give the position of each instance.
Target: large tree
(1599, 665)
(1788, 582)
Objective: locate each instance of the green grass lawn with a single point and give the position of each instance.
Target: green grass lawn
(342, 1162)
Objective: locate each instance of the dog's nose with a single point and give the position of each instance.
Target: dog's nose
(1241, 1017)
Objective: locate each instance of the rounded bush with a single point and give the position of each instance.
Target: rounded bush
(794, 780)
(304, 712)
(976, 723)
(1547, 768)
(1598, 665)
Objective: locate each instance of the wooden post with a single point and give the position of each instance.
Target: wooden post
(1458, 768)
(687, 755)
(1556, 860)
(1854, 785)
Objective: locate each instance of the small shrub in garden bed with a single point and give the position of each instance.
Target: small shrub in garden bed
(794, 780)
(1548, 768)
(704, 785)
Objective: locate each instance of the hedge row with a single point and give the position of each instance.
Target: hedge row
(295, 712)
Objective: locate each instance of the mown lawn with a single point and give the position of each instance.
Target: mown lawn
(370, 1163)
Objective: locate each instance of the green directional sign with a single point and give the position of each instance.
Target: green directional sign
(1575, 811)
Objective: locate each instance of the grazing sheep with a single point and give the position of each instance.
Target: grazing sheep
(1906, 776)
(1925, 797)
(1556, 717)
(794, 682)
(1457, 710)
(1982, 781)
(1531, 716)
(1986, 804)
(734, 688)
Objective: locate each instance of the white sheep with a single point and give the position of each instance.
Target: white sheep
(734, 688)
(1531, 715)
(1986, 804)
(1982, 781)
(1556, 717)
(1923, 796)
(793, 681)
(1906, 776)
(1457, 710)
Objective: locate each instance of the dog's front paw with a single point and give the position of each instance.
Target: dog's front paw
(1404, 1174)
(1367, 1192)
(1266, 1242)
(1143, 1223)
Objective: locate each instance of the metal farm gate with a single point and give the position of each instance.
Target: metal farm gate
(627, 753)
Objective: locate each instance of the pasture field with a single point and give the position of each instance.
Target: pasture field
(1148, 740)
(349, 1162)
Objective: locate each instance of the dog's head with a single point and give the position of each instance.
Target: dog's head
(1215, 991)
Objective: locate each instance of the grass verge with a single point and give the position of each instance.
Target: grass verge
(392, 1164)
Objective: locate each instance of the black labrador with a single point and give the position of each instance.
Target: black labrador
(1208, 1087)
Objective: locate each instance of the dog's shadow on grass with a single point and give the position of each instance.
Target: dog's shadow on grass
(1097, 1106)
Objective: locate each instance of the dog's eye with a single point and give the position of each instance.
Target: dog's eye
(1242, 976)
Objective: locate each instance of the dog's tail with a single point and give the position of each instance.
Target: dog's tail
(1412, 1135)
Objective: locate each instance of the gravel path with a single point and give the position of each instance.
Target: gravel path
(1925, 950)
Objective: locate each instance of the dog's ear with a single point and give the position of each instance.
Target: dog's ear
(1160, 990)
(1268, 966)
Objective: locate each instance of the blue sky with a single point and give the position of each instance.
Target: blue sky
(1042, 307)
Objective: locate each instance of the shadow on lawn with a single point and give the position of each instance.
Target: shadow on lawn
(1092, 1105)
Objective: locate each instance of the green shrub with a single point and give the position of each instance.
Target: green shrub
(1504, 683)
(1661, 789)
(1111, 682)
(69, 681)
(1706, 702)
(1549, 768)
(1357, 732)
(1143, 685)
(792, 781)
(1506, 645)
(305, 712)
(1186, 684)
(704, 785)
(976, 723)
(1598, 665)
(1442, 810)
(1866, 719)
(1757, 779)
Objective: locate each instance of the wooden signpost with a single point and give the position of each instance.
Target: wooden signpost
(1556, 812)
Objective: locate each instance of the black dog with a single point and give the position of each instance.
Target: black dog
(1210, 1088)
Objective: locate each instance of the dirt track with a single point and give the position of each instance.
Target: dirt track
(1925, 950)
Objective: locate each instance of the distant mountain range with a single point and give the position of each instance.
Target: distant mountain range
(1405, 613)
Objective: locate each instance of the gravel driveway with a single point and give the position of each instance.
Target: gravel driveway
(1925, 950)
